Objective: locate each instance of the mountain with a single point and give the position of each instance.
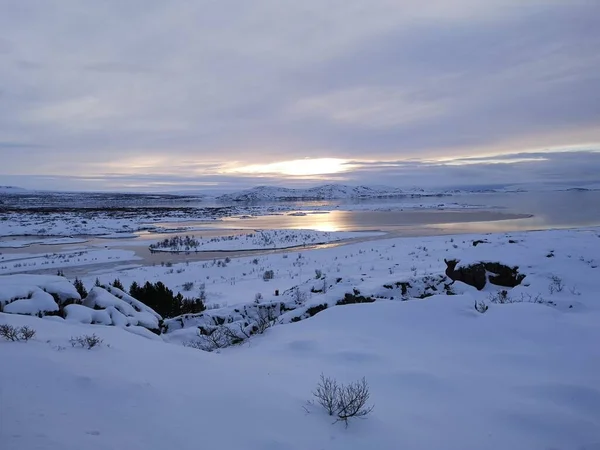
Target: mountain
(324, 192)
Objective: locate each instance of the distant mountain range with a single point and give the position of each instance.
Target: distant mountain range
(324, 192)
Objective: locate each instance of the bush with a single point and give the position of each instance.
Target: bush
(298, 295)
(343, 401)
(159, 297)
(268, 275)
(192, 306)
(218, 337)
(86, 341)
(79, 286)
(14, 334)
(266, 317)
(556, 284)
(188, 286)
(481, 307)
(26, 333)
(501, 297)
(117, 284)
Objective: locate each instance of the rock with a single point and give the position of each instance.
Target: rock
(477, 275)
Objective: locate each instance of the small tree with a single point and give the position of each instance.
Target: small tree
(117, 284)
(80, 287)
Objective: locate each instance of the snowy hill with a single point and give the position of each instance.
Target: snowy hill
(11, 190)
(324, 192)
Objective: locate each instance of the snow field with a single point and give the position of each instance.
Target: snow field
(520, 376)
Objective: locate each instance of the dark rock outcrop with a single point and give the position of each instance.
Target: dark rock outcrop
(477, 275)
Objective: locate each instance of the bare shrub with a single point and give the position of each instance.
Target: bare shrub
(352, 400)
(481, 307)
(9, 332)
(327, 394)
(298, 295)
(268, 275)
(556, 284)
(26, 333)
(501, 297)
(188, 286)
(86, 341)
(344, 400)
(219, 337)
(538, 299)
(14, 334)
(266, 317)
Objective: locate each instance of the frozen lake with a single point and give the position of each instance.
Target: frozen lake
(494, 212)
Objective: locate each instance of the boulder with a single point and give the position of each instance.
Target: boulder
(478, 274)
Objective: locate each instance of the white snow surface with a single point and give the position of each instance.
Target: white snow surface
(259, 240)
(441, 375)
(123, 309)
(324, 192)
(30, 294)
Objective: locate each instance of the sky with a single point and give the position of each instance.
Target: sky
(224, 94)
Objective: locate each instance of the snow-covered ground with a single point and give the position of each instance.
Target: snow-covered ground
(521, 375)
(22, 243)
(256, 240)
(324, 192)
(23, 262)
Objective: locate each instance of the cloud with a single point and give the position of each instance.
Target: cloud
(91, 86)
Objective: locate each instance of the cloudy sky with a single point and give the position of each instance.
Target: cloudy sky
(167, 95)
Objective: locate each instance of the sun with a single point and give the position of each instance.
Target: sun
(299, 167)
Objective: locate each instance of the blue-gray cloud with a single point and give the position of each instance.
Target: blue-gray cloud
(152, 87)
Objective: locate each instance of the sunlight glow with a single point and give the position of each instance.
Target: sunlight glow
(299, 167)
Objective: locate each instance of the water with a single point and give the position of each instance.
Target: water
(499, 212)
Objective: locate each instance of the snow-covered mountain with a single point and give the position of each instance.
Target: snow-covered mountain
(324, 192)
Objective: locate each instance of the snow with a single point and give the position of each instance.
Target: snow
(17, 286)
(35, 294)
(257, 240)
(123, 309)
(26, 262)
(40, 301)
(324, 192)
(20, 243)
(442, 376)
(11, 190)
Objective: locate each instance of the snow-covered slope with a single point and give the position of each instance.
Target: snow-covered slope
(325, 192)
(521, 375)
(441, 376)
